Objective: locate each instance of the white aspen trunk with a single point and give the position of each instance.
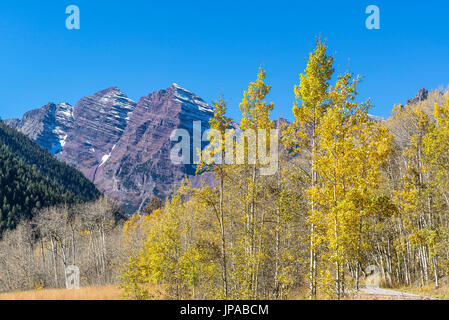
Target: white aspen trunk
(73, 246)
(223, 239)
(55, 268)
(44, 268)
(435, 269)
(312, 267)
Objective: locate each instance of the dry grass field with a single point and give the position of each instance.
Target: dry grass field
(94, 293)
(441, 292)
(114, 293)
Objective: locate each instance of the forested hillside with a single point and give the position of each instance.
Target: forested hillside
(30, 179)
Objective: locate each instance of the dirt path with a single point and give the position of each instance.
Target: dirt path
(386, 294)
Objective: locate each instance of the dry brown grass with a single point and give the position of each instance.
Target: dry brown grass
(441, 292)
(93, 293)
(114, 293)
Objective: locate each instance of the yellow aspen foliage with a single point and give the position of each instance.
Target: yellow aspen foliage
(352, 150)
(255, 111)
(301, 138)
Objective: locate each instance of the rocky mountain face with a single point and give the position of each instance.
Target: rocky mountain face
(121, 146)
(47, 126)
(420, 96)
(138, 165)
(99, 123)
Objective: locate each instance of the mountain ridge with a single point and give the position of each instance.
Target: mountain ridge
(120, 145)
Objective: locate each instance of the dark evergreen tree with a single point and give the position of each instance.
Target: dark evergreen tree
(31, 178)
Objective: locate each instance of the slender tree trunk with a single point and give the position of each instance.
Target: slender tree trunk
(44, 268)
(435, 269)
(277, 237)
(223, 239)
(253, 233)
(312, 266)
(55, 269)
(73, 246)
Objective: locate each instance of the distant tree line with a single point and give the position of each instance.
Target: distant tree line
(36, 253)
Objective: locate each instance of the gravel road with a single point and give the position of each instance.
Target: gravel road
(392, 294)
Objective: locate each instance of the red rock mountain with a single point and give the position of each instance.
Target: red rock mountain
(122, 147)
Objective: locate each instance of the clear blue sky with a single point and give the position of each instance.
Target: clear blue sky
(214, 47)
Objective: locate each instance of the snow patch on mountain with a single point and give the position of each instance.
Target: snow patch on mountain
(62, 142)
(375, 118)
(190, 100)
(104, 159)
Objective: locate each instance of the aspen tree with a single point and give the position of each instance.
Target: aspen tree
(352, 151)
(312, 95)
(255, 116)
(436, 157)
(414, 197)
(220, 123)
